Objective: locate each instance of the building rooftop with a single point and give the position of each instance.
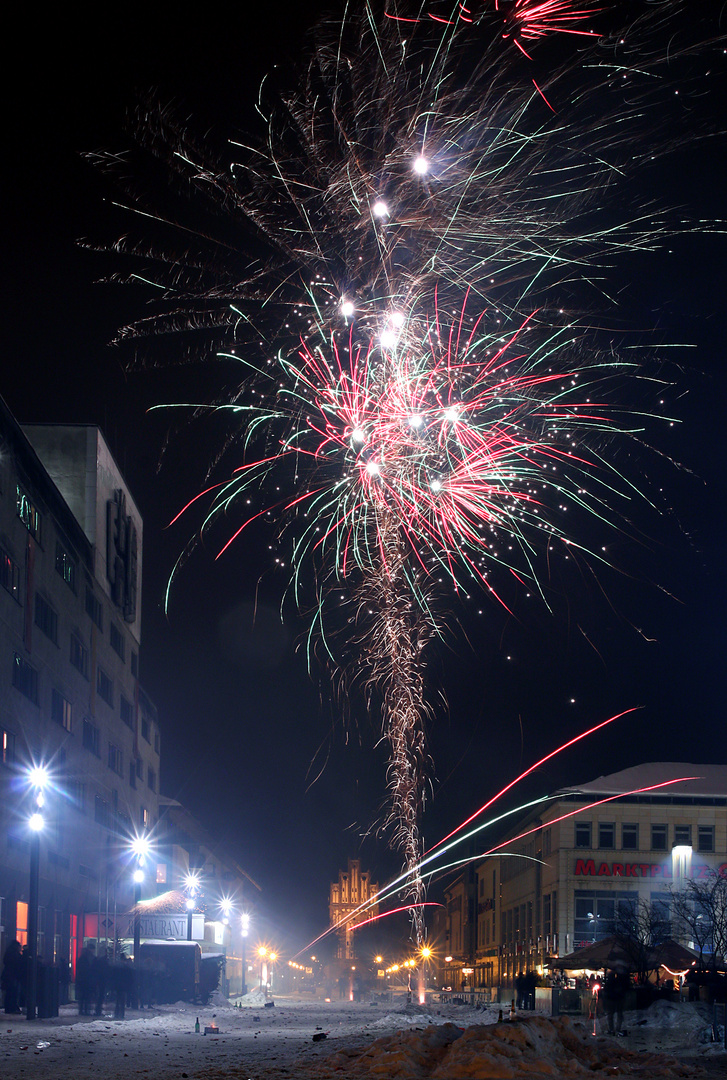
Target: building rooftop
(705, 781)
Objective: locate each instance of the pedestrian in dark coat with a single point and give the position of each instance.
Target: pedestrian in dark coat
(11, 978)
(85, 983)
(122, 976)
(615, 986)
(101, 976)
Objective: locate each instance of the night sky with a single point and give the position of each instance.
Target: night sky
(252, 742)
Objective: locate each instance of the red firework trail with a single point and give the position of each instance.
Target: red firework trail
(527, 772)
(394, 911)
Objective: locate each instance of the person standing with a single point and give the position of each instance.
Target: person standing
(101, 978)
(84, 978)
(11, 978)
(615, 986)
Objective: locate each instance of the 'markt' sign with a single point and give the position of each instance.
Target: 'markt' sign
(589, 868)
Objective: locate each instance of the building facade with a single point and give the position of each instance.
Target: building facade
(582, 860)
(70, 698)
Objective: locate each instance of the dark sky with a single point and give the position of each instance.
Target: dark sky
(246, 729)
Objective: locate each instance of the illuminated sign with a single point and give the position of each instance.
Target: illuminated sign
(590, 868)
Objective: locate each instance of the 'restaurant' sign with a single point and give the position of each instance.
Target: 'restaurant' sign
(169, 926)
(590, 868)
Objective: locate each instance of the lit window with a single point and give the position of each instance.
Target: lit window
(9, 575)
(61, 710)
(21, 922)
(28, 514)
(7, 747)
(66, 565)
(161, 873)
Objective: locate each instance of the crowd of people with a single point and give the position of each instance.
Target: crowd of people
(97, 976)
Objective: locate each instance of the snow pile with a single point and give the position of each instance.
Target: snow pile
(531, 1048)
(255, 997)
(404, 1019)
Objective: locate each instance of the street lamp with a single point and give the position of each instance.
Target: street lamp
(38, 779)
(245, 929)
(262, 953)
(140, 849)
(191, 884)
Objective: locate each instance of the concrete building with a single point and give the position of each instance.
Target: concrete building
(70, 698)
(567, 869)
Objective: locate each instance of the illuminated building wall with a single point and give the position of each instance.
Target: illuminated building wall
(560, 886)
(69, 680)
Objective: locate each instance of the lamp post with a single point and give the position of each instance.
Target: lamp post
(38, 778)
(245, 929)
(140, 848)
(191, 884)
(262, 953)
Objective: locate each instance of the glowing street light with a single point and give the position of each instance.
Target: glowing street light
(37, 777)
(140, 848)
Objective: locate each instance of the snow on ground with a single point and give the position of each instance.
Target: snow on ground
(440, 1042)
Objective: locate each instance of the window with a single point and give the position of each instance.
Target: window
(79, 655)
(630, 836)
(7, 747)
(606, 834)
(156, 742)
(583, 834)
(161, 873)
(91, 737)
(66, 566)
(9, 575)
(659, 837)
(127, 711)
(705, 838)
(21, 922)
(46, 618)
(135, 664)
(139, 769)
(682, 835)
(547, 842)
(77, 794)
(132, 775)
(145, 729)
(94, 608)
(116, 760)
(105, 686)
(61, 710)
(144, 813)
(25, 678)
(28, 514)
(101, 811)
(151, 779)
(118, 642)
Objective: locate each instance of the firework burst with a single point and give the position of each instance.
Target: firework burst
(392, 268)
